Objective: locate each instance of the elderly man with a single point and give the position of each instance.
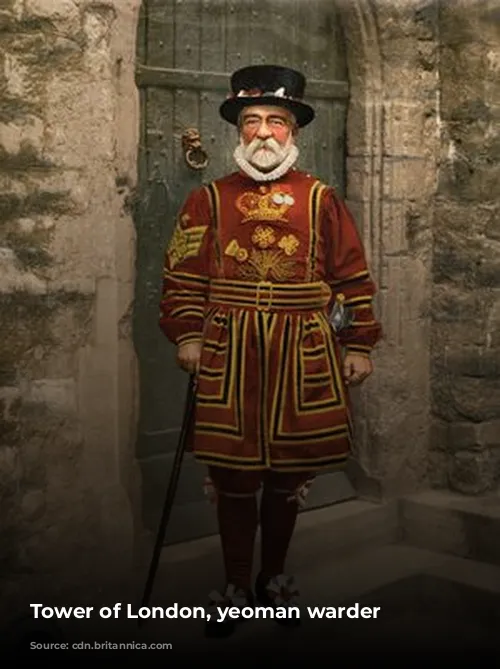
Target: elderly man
(258, 262)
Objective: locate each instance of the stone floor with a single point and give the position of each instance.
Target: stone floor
(430, 600)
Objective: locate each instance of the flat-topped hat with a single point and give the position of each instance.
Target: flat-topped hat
(267, 85)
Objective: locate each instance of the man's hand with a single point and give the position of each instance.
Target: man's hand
(356, 368)
(188, 356)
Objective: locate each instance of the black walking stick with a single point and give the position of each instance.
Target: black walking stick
(171, 490)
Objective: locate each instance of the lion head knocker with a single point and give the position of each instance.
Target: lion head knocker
(194, 153)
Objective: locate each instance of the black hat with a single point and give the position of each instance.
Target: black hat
(267, 85)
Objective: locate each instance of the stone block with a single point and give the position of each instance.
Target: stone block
(452, 523)
(437, 467)
(362, 127)
(57, 394)
(394, 228)
(408, 81)
(410, 129)
(359, 185)
(452, 304)
(473, 131)
(27, 134)
(493, 322)
(13, 279)
(17, 76)
(464, 67)
(488, 271)
(467, 219)
(438, 436)
(411, 20)
(473, 361)
(470, 436)
(472, 472)
(475, 399)
(80, 129)
(63, 13)
(408, 178)
(456, 258)
(10, 471)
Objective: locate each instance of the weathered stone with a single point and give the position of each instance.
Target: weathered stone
(408, 128)
(10, 470)
(451, 304)
(22, 135)
(33, 505)
(470, 220)
(488, 273)
(493, 323)
(456, 259)
(437, 469)
(57, 394)
(475, 399)
(13, 279)
(14, 205)
(416, 19)
(438, 436)
(407, 178)
(477, 362)
(472, 472)
(473, 436)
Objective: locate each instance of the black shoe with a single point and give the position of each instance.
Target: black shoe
(279, 592)
(221, 629)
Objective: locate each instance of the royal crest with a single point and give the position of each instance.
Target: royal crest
(273, 205)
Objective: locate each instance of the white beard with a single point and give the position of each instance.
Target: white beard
(266, 165)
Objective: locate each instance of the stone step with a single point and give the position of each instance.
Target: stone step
(425, 600)
(453, 524)
(333, 531)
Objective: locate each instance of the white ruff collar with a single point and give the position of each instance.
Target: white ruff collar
(256, 174)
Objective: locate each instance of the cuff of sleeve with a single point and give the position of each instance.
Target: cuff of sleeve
(188, 338)
(359, 349)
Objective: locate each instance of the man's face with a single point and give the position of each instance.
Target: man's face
(266, 134)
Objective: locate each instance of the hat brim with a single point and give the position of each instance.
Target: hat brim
(231, 108)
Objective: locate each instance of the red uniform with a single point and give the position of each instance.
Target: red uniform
(252, 271)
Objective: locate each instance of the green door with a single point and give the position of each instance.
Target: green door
(187, 50)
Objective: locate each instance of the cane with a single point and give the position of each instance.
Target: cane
(171, 490)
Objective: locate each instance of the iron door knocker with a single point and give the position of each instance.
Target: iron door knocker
(196, 157)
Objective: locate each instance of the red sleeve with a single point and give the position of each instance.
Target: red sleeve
(186, 271)
(348, 275)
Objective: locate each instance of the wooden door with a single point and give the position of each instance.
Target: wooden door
(187, 50)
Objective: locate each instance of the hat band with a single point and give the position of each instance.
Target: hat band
(257, 93)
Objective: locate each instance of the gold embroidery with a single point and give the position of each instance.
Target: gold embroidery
(241, 255)
(271, 206)
(184, 243)
(289, 244)
(266, 264)
(263, 237)
(234, 250)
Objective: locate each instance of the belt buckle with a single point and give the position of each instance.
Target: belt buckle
(264, 285)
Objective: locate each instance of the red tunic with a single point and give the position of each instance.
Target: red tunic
(252, 270)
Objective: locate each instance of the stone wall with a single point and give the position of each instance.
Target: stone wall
(68, 142)
(393, 148)
(466, 268)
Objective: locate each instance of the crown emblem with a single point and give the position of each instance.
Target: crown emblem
(271, 206)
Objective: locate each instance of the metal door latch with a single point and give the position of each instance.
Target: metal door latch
(196, 157)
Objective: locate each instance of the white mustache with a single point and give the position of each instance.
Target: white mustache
(258, 144)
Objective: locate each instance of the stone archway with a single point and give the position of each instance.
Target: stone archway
(393, 148)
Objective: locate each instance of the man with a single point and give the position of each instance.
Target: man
(256, 263)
